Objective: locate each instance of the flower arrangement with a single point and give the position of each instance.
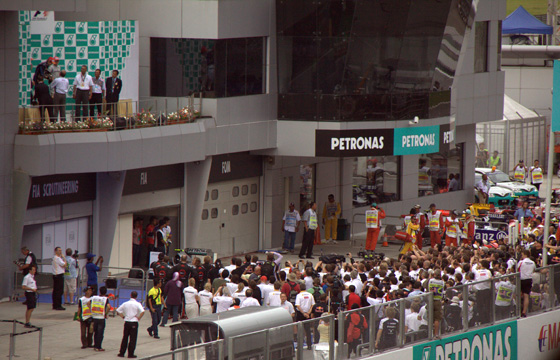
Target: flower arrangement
(145, 118)
(80, 125)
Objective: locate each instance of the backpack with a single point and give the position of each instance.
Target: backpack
(337, 284)
(354, 331)
(317, 293)
(200, 274)
(267, 269)
(389, 334)
(293, 292)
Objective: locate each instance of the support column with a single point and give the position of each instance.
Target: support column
(106, 211)
(197, 182)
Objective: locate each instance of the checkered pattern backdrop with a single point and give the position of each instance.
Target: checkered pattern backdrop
(190, 59)
(101, 45)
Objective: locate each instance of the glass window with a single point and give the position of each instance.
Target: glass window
(481, 47)
(339, 60)
(214, 213)
(244, 208)
(215, 194)
(306, 186)
(254, 188)
(218, 68)
(235, 191)
(254, 206)
(244, 190)
(375, 179)
(206, 196)
(204, 214)
(441, 172)
(235, 210)
(499, 34)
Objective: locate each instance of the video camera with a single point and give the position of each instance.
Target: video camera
(75, 254)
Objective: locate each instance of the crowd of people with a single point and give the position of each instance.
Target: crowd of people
(51, 90)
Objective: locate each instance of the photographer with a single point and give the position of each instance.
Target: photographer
(92, 270)
(70, 276)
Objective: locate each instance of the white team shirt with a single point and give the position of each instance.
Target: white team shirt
(190, 295)
(205, 297)
(305, 301)
(29, 281)
(222, 303)
(131, 310)
(250, 301)
(274, 298)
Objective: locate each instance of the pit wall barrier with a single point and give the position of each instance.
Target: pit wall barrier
(534, 338)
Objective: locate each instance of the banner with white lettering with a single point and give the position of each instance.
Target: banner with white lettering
(349, 143)
(492, 342)
(416, 140)
(61, 189)
(154, 179)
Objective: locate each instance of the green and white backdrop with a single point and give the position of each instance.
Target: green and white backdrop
(104, 45)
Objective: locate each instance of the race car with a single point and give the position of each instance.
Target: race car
(503, 180)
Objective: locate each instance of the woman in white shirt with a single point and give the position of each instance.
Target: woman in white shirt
(191, 299)
(222, 299)
(240, 293)
(205, 299)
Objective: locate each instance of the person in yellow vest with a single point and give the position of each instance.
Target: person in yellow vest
(86, 321)
(331, 210)
(309, 220)
(494, 160)
(536, 175)
(412, 229)
(373, 225)
(99, 310)
(453, 228)
(435, 225)
(520, 171)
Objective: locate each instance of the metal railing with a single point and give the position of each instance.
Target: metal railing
(209, 351)
(123, 115)
(14, 333)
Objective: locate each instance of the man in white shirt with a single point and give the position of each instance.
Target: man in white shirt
(83, 87)
(266, 289)
(249, 300)
(526, 268)
(285, 304)
(274, 298)
(411, 322)
(304, 305)
(482, 188)
(58, 270)
(30, 286)
(131, 311)
(60, 87)
(97, 94)
(290, 226)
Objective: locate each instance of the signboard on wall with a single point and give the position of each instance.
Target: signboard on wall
(350, 143)
(539, 336)
(61, 189)
(235, 166)
(383, 142)
(492, 342)
(154, 178)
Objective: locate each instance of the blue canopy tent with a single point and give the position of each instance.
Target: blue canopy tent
(521, 22)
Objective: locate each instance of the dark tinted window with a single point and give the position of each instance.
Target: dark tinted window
(218, 68)
(342, 60)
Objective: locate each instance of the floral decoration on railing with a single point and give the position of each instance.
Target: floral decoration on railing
(144, 118)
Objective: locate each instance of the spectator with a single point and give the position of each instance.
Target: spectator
(29, 285)
(59, 87)
(70, 277)
(83, 86)
(97, 94)
(92, 269)
(113, 87)
(58, 269)
(43, 96)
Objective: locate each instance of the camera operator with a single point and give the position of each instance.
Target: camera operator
(70, 276)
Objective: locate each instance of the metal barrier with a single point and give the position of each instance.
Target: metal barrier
(209, 351)
(129, 115)
(13, 334)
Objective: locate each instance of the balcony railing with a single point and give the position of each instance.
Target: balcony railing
(126, 114)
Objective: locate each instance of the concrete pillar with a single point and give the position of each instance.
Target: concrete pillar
(9, 91)
(197, 182)
(106, 211)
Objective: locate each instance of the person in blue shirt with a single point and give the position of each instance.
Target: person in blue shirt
(92, 270)
(523, 212)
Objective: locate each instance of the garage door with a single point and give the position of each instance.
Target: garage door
(230, 217)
